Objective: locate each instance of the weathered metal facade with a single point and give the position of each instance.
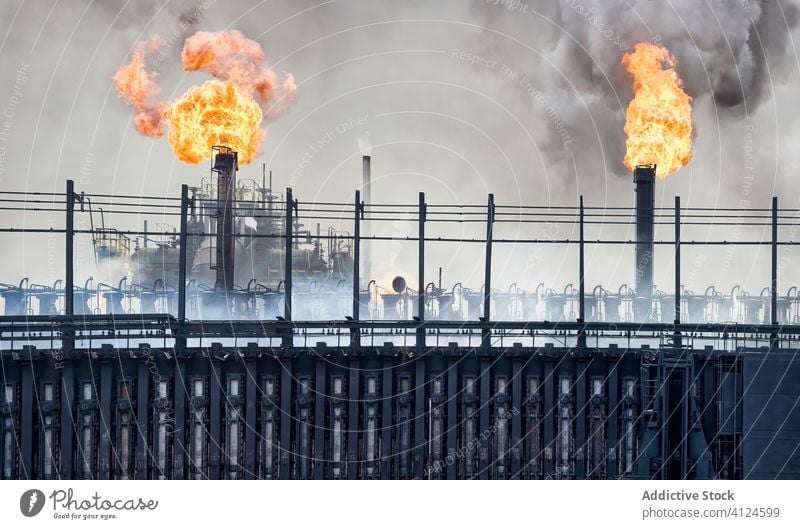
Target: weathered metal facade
(425, 395)
(388, 412)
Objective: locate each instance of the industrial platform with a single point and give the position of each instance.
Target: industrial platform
(298, 365)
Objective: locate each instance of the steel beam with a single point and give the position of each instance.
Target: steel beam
(353, 419)
(320, 384)
(250, 438)
(387, 422)
(143, 399)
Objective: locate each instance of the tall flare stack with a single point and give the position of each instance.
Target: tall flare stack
(644, 176)
(225, 165)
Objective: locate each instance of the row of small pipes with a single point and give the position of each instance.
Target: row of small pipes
(331, 301)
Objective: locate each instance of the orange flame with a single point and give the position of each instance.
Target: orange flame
(659, 118)
(216, 113)
(232, 56)
(138, 88)
(220, 112)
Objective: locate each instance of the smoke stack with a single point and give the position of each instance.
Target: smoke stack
(366, 197)
(644, 176)
(225, 165)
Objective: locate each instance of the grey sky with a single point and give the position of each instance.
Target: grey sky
(460, 98)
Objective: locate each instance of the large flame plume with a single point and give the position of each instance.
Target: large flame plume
(659, 118)
(139, 88)
(225, 111)
(216, 113)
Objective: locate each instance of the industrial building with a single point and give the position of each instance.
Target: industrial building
(247, 344)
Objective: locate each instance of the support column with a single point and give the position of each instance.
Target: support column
(517, 382)
(214, 419)
(68, 344)
(581, 445)
(179, 434)
(677, 336)
(613, 416)
(581, 285)
(319, 418)
(355, 333)
(27, 411)
(286, 419)
(106, 429)
(420, 405)
(143, 446)
(353, 419)
(549, 419)
(387, 422)
(250, 439)
(69, 279)
(774, 282)
(484, 418)
(487, 280)
(453, 425)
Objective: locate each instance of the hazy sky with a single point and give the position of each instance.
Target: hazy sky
(524, 99)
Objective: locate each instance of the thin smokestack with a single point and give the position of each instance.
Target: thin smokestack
(366, 197)
(225, 165)
(644, 176)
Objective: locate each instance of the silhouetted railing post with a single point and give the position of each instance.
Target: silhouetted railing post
(677, 309)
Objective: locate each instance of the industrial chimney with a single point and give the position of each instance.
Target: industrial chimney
(225, 165)
(644, 176)
(366, 197)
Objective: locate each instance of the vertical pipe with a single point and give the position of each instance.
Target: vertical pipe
(774, 282)
(356, 258)
(68, 343)
(677, 336)
(677, 260)
(421, 263)
(487, 280)
(69, 285)
(582, 283)
(420, 400)
(287, 274)
(182, 256)
(366, 189)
